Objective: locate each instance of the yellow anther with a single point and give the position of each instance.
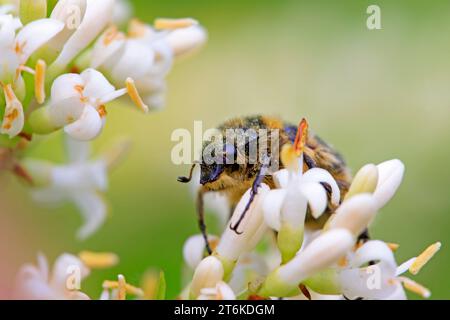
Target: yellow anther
(134, 95)
(39, 81)
(122, 287)
(98, 260)
(136, 28)
(424, 257)
(415, 287)
(393, 246)
(130, 289)
(171, 24)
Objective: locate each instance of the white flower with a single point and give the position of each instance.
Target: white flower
(80, 181)
(221, 291)
(15, 51)
(37, 283)
(382, 278)
(390, 176)
(249, 267)
(253, 227)
(377, 281)
(355, 214)
(194, 249)
(144, 54)
(122, 12)
(84, 20)
(78, 101)
(208, 274)
(321, 253)
(296, 190)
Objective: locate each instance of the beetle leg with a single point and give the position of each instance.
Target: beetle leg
(201, 219)
(259, 179)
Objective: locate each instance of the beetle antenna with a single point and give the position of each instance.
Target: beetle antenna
(187, 179)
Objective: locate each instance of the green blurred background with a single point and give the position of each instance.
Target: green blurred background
(375, 95)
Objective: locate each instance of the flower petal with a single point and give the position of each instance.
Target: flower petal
(390, 175)
(93, 208)
(8, 27)
(68, 85)
(87, 127)
(231, 244)
(186, 40)
(321, 253)
(77, 151)
(35, 34)
(273, 201)
(355, 214)
(136, 60)
(96, 85)
(316, 197)
(194, 248)
(375, 250)
(207, 274)
(321, 175)
(281, 178)
(63, 267)
(14, 119)
(109, 43)
(98, 14)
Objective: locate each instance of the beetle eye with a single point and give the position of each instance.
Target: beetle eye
(229, 153)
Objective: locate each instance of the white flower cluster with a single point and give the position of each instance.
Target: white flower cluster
(61, 70)
(300, 261)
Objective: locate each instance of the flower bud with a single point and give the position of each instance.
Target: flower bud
(207, 274)
(390, 175)
(365, 181)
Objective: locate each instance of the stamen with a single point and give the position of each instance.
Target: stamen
(111, 34)
(172, 24)
(98, 260)
(13, 110)
(9, 93)
(26, 69)
(112, 96)
(342, 262)
(122, 288)
(134, 95)
(415, 287)
(130, 289)
(136, 28)
(424, 257)
(102, 111)
(39, 81)
(393, 246)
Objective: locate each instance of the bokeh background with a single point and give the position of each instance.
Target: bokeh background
(375, 95)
